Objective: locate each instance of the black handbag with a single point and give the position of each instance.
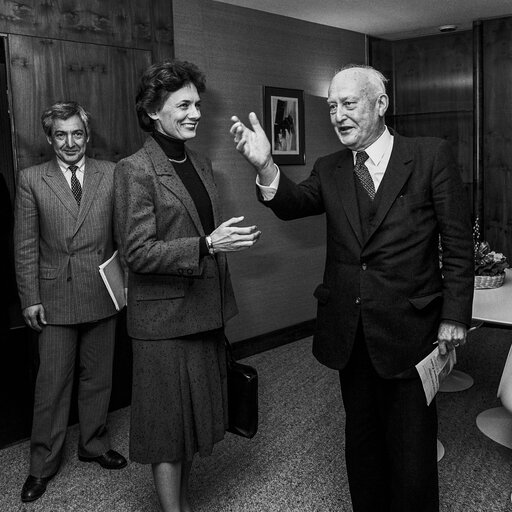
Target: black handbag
(242, 396)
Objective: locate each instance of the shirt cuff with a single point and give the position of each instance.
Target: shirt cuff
(268, 192)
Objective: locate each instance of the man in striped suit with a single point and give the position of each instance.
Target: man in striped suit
(63, 231)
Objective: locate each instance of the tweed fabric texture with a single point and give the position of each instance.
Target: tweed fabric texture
(173, 291)
(179, 397)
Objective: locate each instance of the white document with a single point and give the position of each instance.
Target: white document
(112, 274)
(433, 369)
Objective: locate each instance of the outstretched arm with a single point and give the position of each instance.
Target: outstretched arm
(254, 145)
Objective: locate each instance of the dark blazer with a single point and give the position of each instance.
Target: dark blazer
(58, 247)
(391, 280)
(172, 291)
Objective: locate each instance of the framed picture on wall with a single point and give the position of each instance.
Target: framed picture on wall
(284, 124)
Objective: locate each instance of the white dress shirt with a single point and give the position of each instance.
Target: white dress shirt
(379, 154)
(64, 167)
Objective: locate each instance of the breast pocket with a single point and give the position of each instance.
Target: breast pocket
(48, 273)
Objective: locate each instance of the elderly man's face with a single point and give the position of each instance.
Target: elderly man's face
(356, 108)
(69, 139)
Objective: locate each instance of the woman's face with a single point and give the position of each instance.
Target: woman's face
(180, 114)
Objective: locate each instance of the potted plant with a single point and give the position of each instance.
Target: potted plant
(489, 265)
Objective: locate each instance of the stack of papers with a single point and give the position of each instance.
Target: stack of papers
(113, 276)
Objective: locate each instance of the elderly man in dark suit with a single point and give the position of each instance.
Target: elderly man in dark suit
(63, 231)
(383, 302)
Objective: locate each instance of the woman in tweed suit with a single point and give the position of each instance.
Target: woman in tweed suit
(179, 290)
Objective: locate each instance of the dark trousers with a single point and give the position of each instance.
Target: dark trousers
(390, 439)
(59, 345)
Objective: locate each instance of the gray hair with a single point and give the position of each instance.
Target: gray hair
(376, 77)
(64, 110)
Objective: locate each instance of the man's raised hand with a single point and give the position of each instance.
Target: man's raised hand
(254, 145)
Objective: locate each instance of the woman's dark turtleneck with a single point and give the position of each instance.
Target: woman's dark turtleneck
(175, 150)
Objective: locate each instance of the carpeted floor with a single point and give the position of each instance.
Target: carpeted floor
(295, 463)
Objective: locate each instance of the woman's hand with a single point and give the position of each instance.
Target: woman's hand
(228, 238)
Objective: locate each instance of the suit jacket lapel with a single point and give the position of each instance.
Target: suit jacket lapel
(170, 180)
(397, 173)
(344, 176)
(57, 182)
(92, 178)
(205, 173)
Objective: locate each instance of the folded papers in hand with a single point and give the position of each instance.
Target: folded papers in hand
(113, 276)
(433, 369)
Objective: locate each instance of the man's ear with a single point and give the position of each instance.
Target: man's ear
(382, 104)
(49, 139)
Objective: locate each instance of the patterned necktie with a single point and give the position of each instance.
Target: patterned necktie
(76, 188)
(363, 173)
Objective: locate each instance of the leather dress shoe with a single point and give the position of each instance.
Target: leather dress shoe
(109, 460)
(34, 487)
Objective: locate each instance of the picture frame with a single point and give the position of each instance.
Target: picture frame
(284, 124)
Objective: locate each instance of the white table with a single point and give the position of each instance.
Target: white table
(494, 306)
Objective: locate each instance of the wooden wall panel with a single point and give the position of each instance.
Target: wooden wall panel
(102, 78)
(434, 74)
(497, 130)
(381, 58)
(432, 89)
(126, 23)
(242, 50)
(6, 156)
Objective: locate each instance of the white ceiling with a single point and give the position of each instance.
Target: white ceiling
(389, 19)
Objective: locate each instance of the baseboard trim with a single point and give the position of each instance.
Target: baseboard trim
(273, 339)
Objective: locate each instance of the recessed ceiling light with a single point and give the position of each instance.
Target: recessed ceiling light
(447, 28)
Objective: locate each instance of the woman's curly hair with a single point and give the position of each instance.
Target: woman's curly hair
(159, 81)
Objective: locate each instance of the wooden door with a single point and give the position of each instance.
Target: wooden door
(102, 78)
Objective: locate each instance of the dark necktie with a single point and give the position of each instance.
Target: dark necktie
(363, 173)
(76, 188)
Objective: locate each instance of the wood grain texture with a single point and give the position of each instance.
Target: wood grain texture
(431, 83)
(242, 50)
(434, 74)
(127, 23)
(102, 78)
(497, 133)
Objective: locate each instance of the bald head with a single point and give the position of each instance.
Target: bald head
(357, 104)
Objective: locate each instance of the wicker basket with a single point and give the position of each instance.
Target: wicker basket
(482, 282)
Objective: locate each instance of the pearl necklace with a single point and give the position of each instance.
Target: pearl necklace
(178, 161)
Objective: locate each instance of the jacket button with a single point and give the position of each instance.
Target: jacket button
(364, 266)
(189, 271)
(358, 300)
(68, 279)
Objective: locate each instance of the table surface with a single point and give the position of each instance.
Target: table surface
(494, 305)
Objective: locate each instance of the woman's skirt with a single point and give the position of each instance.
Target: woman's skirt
(179, 397)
